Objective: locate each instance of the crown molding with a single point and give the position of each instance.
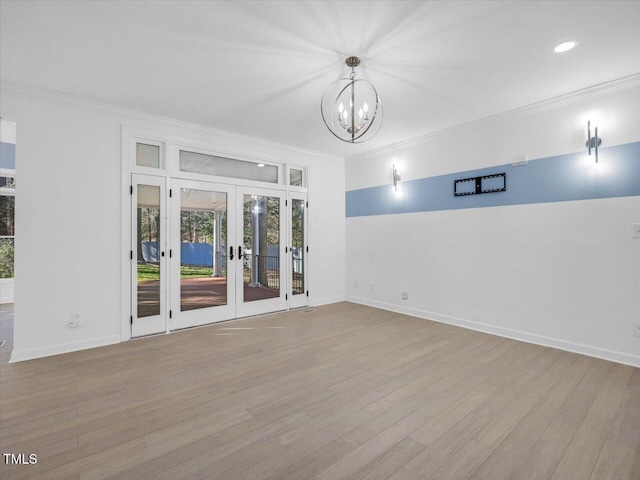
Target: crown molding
(130, 114)
(602, 89)
(594, 91)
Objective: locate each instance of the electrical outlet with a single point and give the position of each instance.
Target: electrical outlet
(405, 295)
(635, 230)
(372, 286)
(636, 329)
(75, 321)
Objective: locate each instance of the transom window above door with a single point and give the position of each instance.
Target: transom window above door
(201, 163)
(149, 154)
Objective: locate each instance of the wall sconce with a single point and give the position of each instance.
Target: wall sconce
(396, 178)
(593, 142)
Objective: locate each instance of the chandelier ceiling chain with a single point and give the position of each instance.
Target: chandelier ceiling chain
(351, 108)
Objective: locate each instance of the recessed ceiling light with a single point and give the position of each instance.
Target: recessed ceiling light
(261, 165)
(565, 46)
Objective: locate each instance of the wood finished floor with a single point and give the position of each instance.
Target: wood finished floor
(343, 392)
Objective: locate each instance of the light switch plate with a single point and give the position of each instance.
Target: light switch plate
(635, 230)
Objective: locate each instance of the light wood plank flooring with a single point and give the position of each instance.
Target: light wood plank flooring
(340, 392)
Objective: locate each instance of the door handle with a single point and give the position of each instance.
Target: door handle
(230, 253)
(239, 251)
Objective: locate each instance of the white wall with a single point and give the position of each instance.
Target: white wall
(68, 257)
(564, 274)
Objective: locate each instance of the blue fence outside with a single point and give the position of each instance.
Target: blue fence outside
(196, 254)
(190, 253)
(200, 254)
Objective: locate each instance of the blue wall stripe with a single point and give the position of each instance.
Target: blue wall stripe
(553, 179)
(7, 155)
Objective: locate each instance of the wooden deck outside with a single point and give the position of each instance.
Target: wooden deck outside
(198, 292)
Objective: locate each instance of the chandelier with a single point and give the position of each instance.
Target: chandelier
(351, 108)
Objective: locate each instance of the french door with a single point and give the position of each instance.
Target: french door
(205, 252)
(148, 255)
(298, 250)
(260, 234)
(202, 264)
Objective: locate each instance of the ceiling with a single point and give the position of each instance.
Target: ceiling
(260, 68)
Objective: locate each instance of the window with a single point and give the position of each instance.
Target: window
(7, 233)
(296, 177)
(147, 155)
(7, 197)
(227, 167)
(7, 182)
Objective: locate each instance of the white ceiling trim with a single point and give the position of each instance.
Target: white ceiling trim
(607, 88)
(112, 110)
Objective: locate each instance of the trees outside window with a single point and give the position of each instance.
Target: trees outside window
(7, 231)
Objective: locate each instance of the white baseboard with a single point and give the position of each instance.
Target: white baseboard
(590, 350)
(30, 354)
(326, 301)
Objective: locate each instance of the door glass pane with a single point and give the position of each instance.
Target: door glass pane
(261, 247)
(227, 167)
(147, 155)
(148, 237)
(203, 240)
(297, 247)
